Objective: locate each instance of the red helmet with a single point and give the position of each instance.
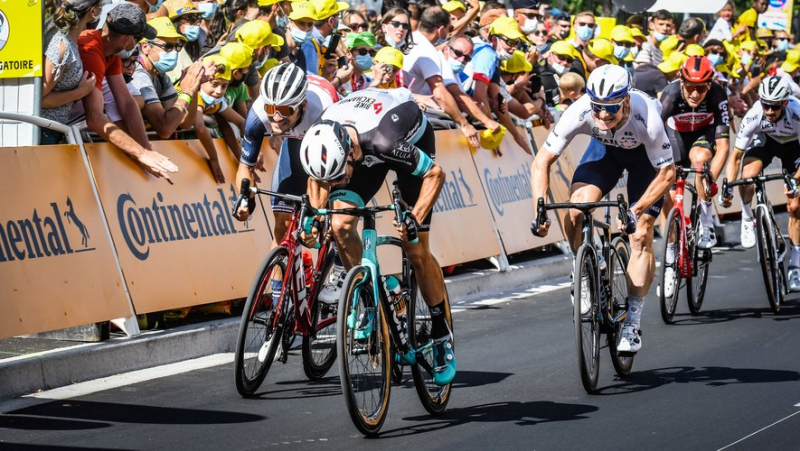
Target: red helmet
(697, 69)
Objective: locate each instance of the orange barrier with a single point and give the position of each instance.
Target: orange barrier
(58, 267)
(178, 245)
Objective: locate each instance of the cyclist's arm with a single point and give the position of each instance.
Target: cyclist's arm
(750, 124)
(720, 157)
(318, 192)
(432, 183)
(657, 188)
(723, 130)
(540, 173)
(467, 105)
(732, 171)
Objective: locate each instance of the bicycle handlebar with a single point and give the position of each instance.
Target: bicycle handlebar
(788, 181)
(705, 172)
(628, 219)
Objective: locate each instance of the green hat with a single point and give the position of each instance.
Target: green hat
(354, 40)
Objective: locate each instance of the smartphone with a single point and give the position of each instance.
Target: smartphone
(331, 50)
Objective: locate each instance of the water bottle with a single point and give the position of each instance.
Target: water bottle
(394, 294)
(603, 277)
(308, 266)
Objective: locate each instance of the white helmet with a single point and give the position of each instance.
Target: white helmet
(324, 150)
(774, 89)
(608, 82)
(284, 85)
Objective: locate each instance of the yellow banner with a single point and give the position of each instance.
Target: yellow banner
(21, 39)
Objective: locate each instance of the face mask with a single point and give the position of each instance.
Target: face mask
(236, 83)
(125, 54)
(746, 58)
(541, 48)
(659, 37)
(364, 62)
(396, 45)
(783, 45)
(326, 42)
(621, 52)
(564, 34)
(299, 35)
(155, 7)
(584, 33)
(282, 21)
(456, 65)
(208, 100)
(529, 26)
(166, 61)
(715, 58)
(503, 55)
(635, 51)
(191, 32)
(208, 10)
(559, 68)
(260, 63)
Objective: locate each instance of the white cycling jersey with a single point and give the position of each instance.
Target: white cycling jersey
(783, 131)
(643, 127)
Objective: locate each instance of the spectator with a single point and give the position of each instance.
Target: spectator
(125, 25)
(235, 12)
(562, 27)
(491, 12)
(461, 15)
(211, 101)
(301, 24)
(414, 14)
(314, 49)
(559, 59)
(585, 26)
(745, 27)
(64, 80)
(638, 38)
(780, 45)
(526, 13)
(456, 8)
(597, 53)
(722, 27)
(622, 39)
(388, 5)
(372, 18)
(671, 66)
(355, 21)
(360, 54)
(209, 23)
(790, 69)
(240, 58)
(395, 29)
(635, 21)
(184, 16)
(515, 74)
(570, 89)
(258, 36)
(388, 62)
(649, 79)
(658, 26)
(690, 32)
(715, 52)
(539, 40)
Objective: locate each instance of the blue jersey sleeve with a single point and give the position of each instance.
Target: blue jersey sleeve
(254, 132)
(311, 56)
(485, 63)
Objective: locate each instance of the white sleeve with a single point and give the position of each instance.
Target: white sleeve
(659, 150)
(749, 125)
(572, 122)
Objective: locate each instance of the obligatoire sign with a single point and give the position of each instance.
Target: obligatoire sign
(21, 38)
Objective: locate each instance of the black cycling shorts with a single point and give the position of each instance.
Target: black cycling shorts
(370, 175)
(682, 144)
(602, 166)
(766, 149)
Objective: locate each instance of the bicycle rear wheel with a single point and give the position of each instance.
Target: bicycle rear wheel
(586, 317)
(618, 278)
(262, 324)
(433, 397)
(319, 352)
(670, 274)
(767, 256)
(363, 347)
(696, 285)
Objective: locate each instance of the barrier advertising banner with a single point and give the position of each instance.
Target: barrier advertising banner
(57, 268)
(21, 38)
(178, 244)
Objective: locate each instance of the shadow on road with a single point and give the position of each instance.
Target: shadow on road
(327, 386)
(789, 310)
(466, 379)
(32, 423)
(714, 376)
(8, 446)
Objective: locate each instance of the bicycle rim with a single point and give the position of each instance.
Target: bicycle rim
(619, 295)
(261, 327)
(319, 352)
(768, 260)
(363, 347)
(433, 397)
(670, 272)
(587, 325)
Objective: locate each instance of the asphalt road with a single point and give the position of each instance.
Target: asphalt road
(731, 373)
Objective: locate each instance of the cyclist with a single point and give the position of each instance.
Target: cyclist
(628, 134)
(695, 110)
(289, 103)
(348, 154)
(769, 130)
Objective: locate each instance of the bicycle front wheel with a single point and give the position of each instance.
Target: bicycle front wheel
(767, 256)
(319, 352)
(586, 317)
(696, 285)
(669, 280)
(262, 324)
(363, 347)
(618, 278)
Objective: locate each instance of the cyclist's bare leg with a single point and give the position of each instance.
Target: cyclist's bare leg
(642, 265)
(752, 167)
(429, 273)
(581, 192)
(793, 207)
(699, 156)
(345, 232)
(282, 221)
(669, 201)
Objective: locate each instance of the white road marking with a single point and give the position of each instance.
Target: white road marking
(762, 429)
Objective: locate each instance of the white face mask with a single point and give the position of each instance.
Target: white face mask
(529, 26)
(560, 70)
(503, 55)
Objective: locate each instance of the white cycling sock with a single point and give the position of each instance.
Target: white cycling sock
(747, 211)
(635, 305)
(671, 248)
(705, 213)
(794, 256)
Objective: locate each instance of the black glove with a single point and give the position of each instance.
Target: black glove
(251, 205)
(412, 227)
(630, 225)
(535, 226)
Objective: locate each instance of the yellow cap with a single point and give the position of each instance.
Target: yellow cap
(763, 33)
(257, 34)
(629, 58)
(507, 27)
(564, 48)
(328, 8)
(165, 29)
(238, 55)
(750, 46)
(517, 63)
(389, 55)
(637, 33)
(269, 64)
(219, 60)
(303, 10)
(669, 45)
(178, 8)
(621, 33)
(491, 140)
(673, 63)
(694, 50)
(792, 61)
(603, 49)
(453, 5)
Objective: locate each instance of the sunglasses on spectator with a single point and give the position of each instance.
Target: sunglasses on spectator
(611, 108)
(460, 55)
(769, 106)
(540, 33)
(782, 39)
(363, 52)
(403, 25)
(700, 89)
(285, 111)
(532, 15)
(509, 42)
(169, 46)
(359, 26)
(586, 24)
(624, 44)
(191, 19)
(130, 61)
(567, 59)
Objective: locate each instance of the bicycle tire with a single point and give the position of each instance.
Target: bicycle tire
(319, 352)
(434, 398)
(587, 324)
(358, 297)
(260, 332)
(618, 279)
(623, 249)
(766, 256)
(674, 229)
(696, 285)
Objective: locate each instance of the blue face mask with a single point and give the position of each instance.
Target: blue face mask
(364, 62)
(621, 52)
(584, 33)
(456, 65)
(326, 41)
(191, 32)
(715, 58)
(166, 61)
(282, 21)
(397, 45)
(125, 54)
(299, 35)
(541, 48)
(155, 7)
(783, 45)
(208, 100)
(659, 37)
(208, 10)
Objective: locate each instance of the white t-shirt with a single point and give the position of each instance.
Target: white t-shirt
(420, 64)
(448, 76)
(644, 127)
(783, 131)
(721, 31)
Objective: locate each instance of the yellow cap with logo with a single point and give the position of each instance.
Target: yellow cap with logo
(303, 10)
(603, 49)
(222, 63)
(256, 34)
(178, 8)
(238, 55)
(328, 8)
(506, 26)
(517, 63)
(622, 33)
(564, 48)
(165, 29)
(389, 55)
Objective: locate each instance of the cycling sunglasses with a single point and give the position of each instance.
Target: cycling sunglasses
(509, 42)
(771, 106)
(611, 108)
(459, 55)
(285, 110)
(169, 46)
(403, 25)
(701, 88)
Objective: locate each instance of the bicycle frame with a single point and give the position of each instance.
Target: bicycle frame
(687, 262)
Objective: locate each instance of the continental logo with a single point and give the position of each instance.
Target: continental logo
(145, 223)
(507, 189)
(456, 194)
(44, 234)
